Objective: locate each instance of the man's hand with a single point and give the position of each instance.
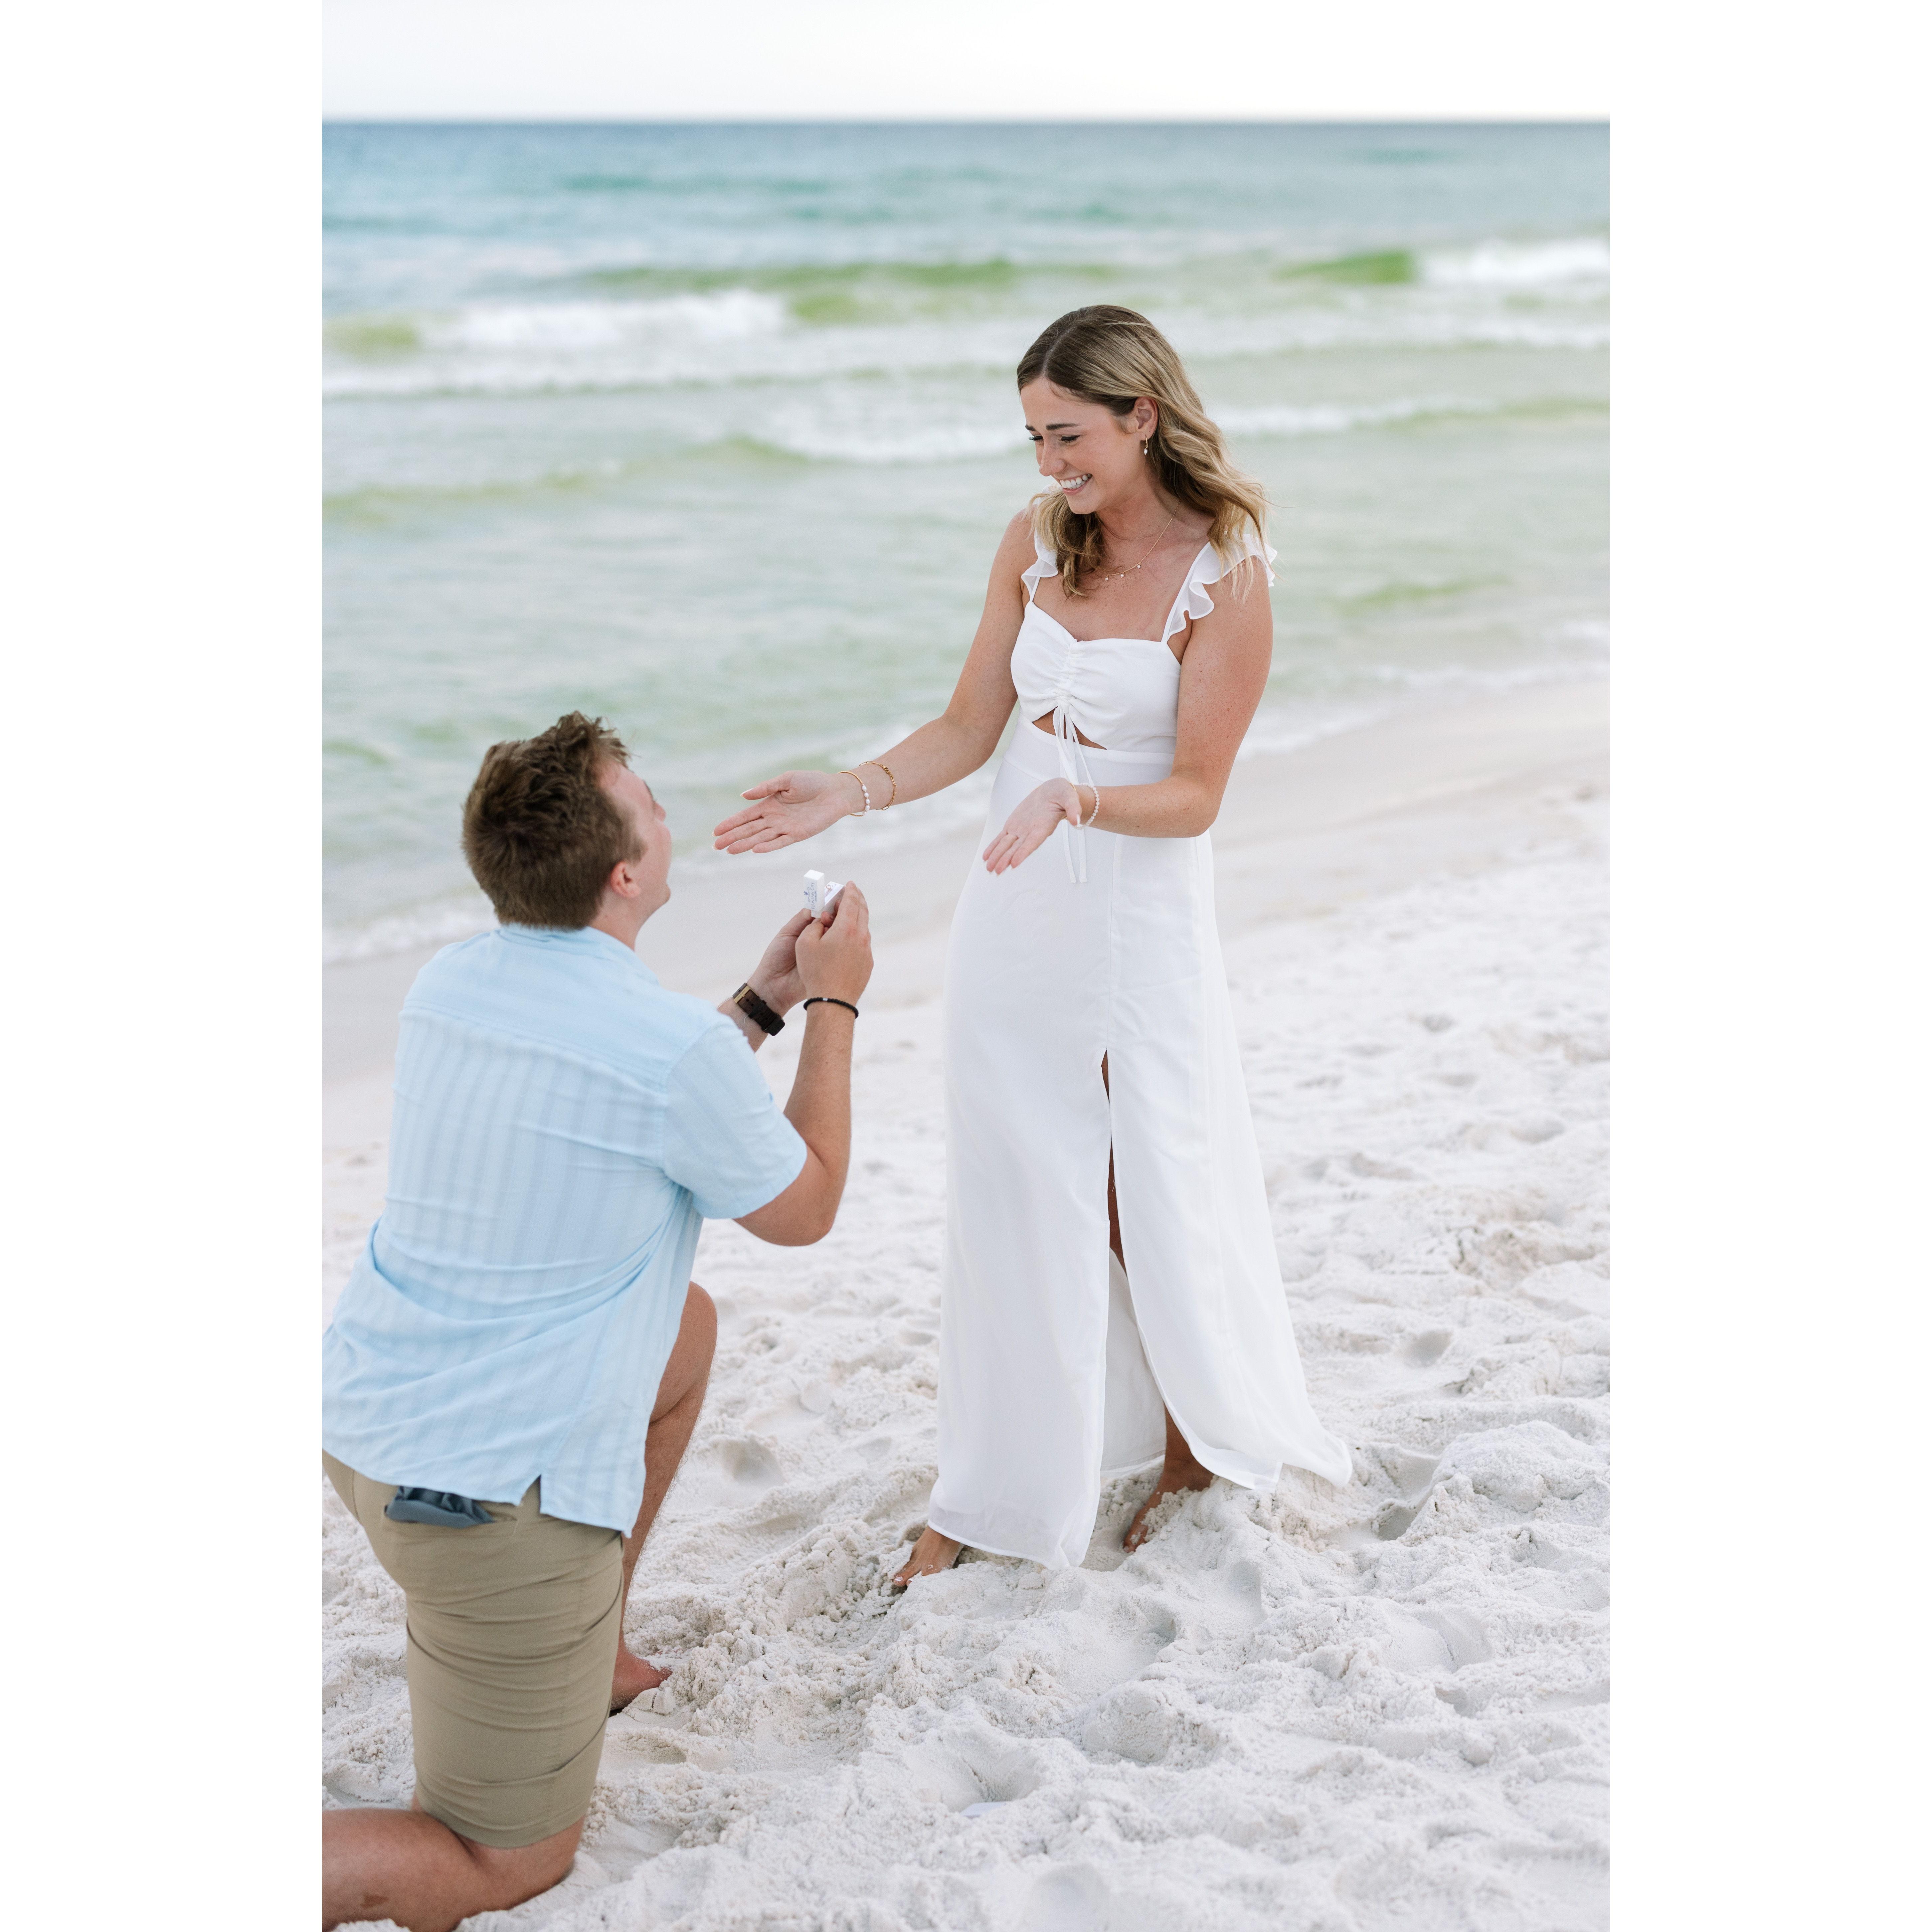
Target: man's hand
(776, 978)
(836, 959)
(840, 953)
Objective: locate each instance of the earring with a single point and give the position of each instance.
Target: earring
(1144, 449)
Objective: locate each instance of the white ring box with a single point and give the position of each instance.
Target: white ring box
(820, 892)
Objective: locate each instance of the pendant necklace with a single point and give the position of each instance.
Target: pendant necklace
(1108, 577)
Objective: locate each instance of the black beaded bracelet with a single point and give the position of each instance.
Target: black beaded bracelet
(830, 1000)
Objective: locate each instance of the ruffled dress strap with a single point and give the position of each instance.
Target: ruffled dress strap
(1191, 601)
(1045, 563)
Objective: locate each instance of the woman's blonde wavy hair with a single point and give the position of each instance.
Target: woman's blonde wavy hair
(1113, 356)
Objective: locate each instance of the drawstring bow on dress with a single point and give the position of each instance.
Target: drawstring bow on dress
(1075, 768)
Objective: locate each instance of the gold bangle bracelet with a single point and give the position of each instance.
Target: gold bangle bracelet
(888, 770)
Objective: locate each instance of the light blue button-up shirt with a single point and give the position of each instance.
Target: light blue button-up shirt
(562, 1127)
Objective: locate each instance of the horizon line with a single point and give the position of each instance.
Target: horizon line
(431, 119)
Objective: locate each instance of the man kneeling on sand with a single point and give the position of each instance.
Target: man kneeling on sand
(518, 1360)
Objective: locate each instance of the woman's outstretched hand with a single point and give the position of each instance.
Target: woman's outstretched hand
(1032, 823)
(790, 809)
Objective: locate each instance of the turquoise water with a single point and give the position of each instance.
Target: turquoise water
(712, 430)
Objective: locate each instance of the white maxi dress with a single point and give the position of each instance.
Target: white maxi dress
(1053, 1363)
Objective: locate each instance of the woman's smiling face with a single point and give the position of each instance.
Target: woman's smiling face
(1093, 455)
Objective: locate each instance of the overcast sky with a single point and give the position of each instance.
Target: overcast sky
(1024, 59)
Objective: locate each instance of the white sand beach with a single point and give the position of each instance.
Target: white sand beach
(1340, 1710)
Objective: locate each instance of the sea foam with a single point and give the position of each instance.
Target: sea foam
(1505, 264)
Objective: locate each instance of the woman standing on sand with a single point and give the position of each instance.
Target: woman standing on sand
(1110, 1272)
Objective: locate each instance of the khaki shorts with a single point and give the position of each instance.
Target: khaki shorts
(513, 1630)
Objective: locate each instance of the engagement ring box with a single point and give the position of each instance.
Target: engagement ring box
(819, 892)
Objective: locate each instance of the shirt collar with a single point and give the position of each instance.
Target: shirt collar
(587, 939)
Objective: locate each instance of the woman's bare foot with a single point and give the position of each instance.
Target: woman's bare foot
(1175, 1476)
(1179, 1470)
(930, 1555)
(632, 1678)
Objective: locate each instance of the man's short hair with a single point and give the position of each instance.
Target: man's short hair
(540, 832)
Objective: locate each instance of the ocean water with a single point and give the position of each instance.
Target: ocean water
(712, 430)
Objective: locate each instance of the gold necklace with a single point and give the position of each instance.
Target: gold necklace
(1108, 577)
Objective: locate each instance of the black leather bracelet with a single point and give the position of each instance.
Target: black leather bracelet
(830, 1000)
(754, 1009)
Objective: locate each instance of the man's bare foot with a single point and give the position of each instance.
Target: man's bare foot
(930, 1555)
(1174, 1478)
(632, 1678)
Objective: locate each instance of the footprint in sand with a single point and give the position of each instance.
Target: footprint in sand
(729, 1473)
